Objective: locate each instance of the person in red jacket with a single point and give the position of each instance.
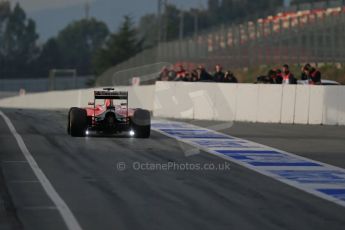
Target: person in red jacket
(288, 77)
(180, 73)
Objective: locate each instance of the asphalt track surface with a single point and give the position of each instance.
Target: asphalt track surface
(84, 173)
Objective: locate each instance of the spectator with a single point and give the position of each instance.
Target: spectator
(279, 77)
(219, 75)
(288, 77)
(314, 75)
(188, 77)
(272, 75)
(270, 78)
(263, 80)
(229, 77)
(304, 74)
(275, 76)
(172, 75)
(203, 75)
(194, 76)
(164, 75)
(180, 73)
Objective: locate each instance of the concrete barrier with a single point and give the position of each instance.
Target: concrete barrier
(165, 103)
(210, 101)
(225, 102)
(203, 96)
(269, 103)
(138, 97)
(184, 105)
(141, 96)
(288, 104)
(341, 105)
(331, 103)
(302, 104)
(49, 100)
(204, 101)
(316, 105)
(247, 102)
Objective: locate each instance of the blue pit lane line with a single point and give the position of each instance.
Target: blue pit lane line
(317, 178)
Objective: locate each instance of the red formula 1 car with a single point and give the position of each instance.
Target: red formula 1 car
(111, 117)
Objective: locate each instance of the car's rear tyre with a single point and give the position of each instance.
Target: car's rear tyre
(69, 120)
(77, 122)
(141, 123)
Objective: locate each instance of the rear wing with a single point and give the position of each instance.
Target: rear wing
(117, 95)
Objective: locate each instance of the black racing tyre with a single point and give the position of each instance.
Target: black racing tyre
(68, 123)
(141, 123)
(69, 120)
(77, 122)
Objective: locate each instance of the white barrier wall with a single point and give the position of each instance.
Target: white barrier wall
(247, 102)
(206, 101)
(302, 104)
(226, 102)
(289, 104)
(315, 105)
(139, 97)
(184, 100)
(341, 106)
(333, 106)
(269, 103)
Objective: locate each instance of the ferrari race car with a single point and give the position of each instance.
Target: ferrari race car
(111, 117)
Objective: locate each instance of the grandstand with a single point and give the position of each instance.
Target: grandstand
(298, 34)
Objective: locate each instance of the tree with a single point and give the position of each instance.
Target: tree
(172, 18)
(78, 42)
(228, 10)
(119, 47)
(307, 1)
(20, 35)
(214, 13)
(18, 41)
(50, 58)
(148, 30)
(5, 11)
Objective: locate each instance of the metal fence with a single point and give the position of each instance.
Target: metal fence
(299, 34)
(147, 74)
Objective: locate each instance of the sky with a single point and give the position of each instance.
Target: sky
(37, 5)
(53, 15)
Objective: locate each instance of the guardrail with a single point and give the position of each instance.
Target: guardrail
(146, 73)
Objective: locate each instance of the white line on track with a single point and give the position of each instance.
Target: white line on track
(66, 214)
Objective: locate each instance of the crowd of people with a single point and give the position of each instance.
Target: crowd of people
(309, 75)
(199, 74)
